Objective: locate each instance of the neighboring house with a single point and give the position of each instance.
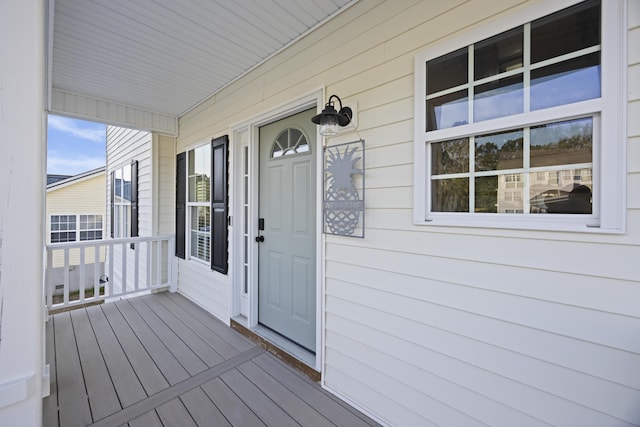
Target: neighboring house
(75, 212)
(496, 283)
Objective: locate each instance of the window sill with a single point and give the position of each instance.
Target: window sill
(198, 263)
(575, 224)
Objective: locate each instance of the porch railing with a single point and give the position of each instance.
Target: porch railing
(97, 270)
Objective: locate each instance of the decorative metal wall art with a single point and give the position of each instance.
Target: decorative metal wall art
(343, 204)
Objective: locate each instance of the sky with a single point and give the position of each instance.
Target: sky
(74, 146)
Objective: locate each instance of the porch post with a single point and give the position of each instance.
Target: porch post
(22, 189)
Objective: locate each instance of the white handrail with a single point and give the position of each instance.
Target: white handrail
(74, 276)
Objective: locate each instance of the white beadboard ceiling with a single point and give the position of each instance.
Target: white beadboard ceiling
(164, 57)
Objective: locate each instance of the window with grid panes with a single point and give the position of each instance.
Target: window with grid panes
(521, 111)
(90, 227)
(199, 202)
(63, 228)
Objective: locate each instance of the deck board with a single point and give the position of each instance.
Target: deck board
(206, 332)
(174, 413)
(103, 400)
(146, 370)
(233, 338)
(204, 351)
(233, 408)
(73, 403)
(297, 408)
(336, 412)
(150, 419)
(270, 413)
(159, 360)
(170, 367)
(202, 409)
(124, 378)
(191, 362)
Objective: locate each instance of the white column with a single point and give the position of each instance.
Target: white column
(22, 186)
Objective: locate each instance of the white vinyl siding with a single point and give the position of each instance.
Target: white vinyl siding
(448, 325)
(164, 147)
(123, 146)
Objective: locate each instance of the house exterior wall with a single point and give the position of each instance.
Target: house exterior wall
(164, 149)
(84, 197)
(427, 325)
(165, 189)
(124, 146)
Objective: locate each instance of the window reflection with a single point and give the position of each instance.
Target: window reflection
(199, 174)
(447, 71)
(498, 151)
(450, 195)
(566, 82)
(569, 30)
(566, 192)
(486, 194)
(450, 157)
(563, 143)
(500, 98)
(448, 111)
(499, 194)
(498, 54)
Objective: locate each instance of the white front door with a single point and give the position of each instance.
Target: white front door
(287, 228)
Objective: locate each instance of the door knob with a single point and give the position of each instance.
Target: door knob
(260, 239)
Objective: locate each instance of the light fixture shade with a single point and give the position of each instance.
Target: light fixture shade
(330, 119)
(329, 129)
(329, 122)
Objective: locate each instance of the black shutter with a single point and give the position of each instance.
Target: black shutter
(134, 198)
(219, 205)
(113, 196)
(181, 199)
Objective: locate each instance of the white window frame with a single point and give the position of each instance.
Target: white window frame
(51, 230)
(194, 205)
(87, 229)
(78, 227)
(609, 112)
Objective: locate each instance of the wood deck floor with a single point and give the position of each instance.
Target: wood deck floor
(159, 360)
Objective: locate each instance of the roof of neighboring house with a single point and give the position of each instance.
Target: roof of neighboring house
(51, 178)
(73, 179)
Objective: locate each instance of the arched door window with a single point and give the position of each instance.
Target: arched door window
(289, 141)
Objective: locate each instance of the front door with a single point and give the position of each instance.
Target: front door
(287, 212)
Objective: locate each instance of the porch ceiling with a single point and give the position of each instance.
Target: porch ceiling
(146, 62)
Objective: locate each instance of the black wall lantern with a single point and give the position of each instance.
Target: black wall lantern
(330, 119)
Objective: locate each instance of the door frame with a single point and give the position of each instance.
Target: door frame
(246, 133)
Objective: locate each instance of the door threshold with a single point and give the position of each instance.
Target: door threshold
(286, 350)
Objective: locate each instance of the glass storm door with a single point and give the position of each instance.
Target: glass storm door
(287, 229)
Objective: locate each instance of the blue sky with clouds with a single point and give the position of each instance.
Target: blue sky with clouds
(74, 146)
